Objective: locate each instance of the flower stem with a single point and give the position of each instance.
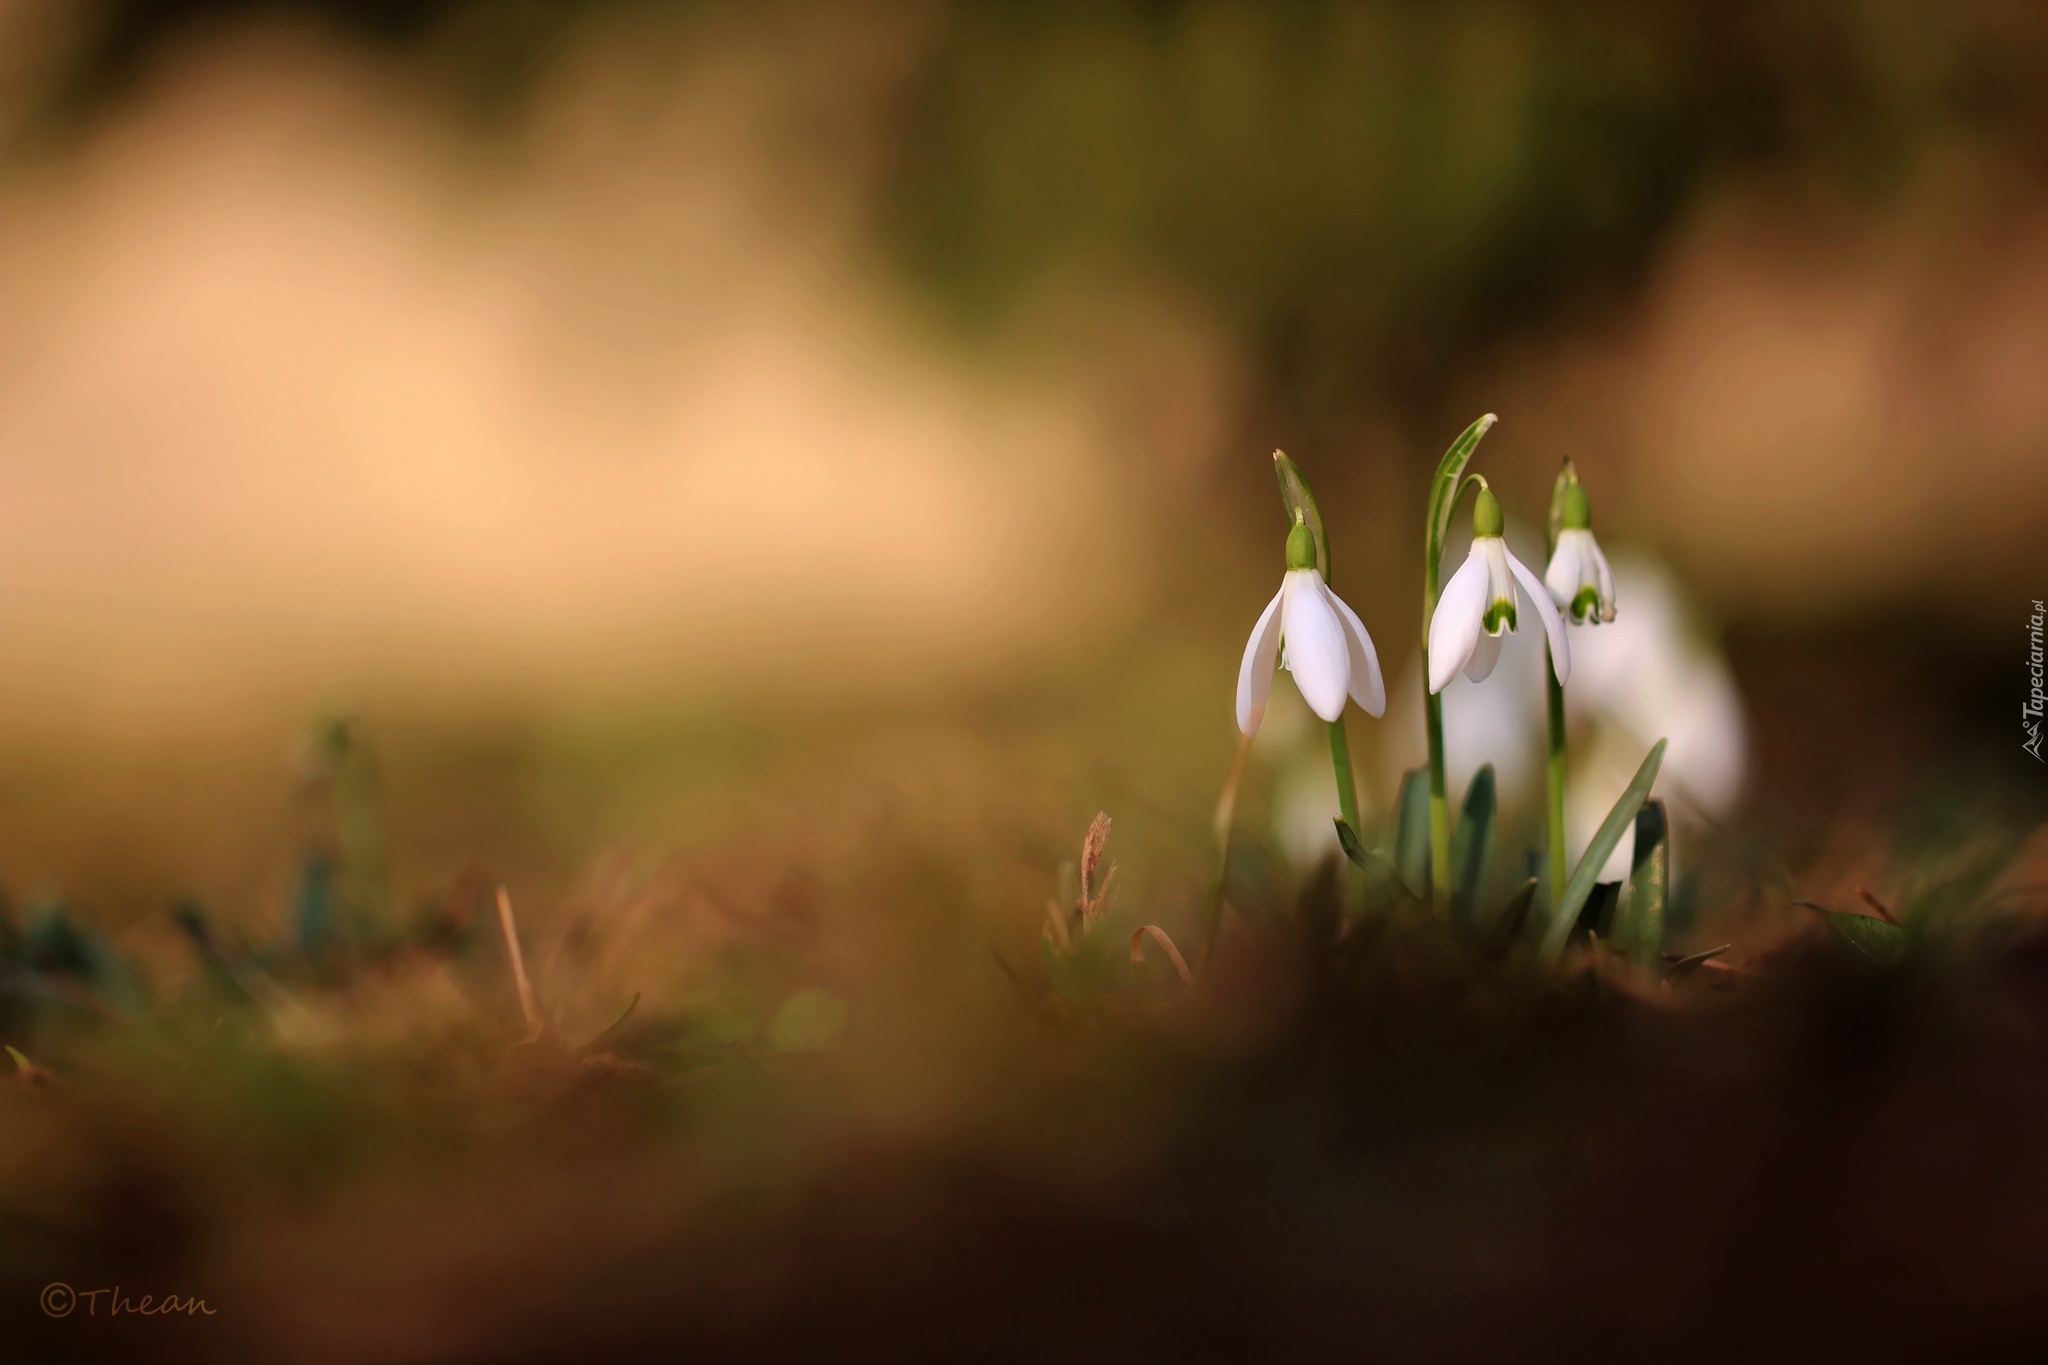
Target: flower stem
(1556, 776)
(1226, 814)
(1439, 804)
(1444, 491)
(1347, 787)
(1433, 725)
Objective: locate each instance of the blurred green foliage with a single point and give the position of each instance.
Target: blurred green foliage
(1371, 185)
(1387, 184)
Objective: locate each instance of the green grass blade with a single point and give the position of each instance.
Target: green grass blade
(1580, 886)
(1411, 832)
(1296, 497)
(1649, 887)
(1472, 846)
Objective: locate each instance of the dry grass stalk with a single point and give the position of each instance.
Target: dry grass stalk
(1094, 894)
(1159, 936)
(527, 1007)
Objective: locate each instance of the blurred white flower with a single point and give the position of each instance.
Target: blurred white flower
(1578, 578)
(1305, 805)
(1501, 725)
(1652, 673)
(1326, 647)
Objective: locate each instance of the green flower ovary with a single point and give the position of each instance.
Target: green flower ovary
(1486, 517)
(1576, 514)
(1301, 547)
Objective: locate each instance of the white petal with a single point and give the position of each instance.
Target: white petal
(1565, 573)
(1317, 655)
(1606, 576)
(1368, 689)
(1553, 625)
(1454, 626)
(1485, 654)
(1255, 674)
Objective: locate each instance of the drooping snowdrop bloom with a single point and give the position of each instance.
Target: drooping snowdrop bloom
(1308, 630)
(1480, 603)
(1578, 577)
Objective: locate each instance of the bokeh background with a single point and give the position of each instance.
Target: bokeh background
(756, 479)
(652, 421)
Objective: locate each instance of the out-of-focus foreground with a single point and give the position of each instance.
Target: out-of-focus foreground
(754, 480)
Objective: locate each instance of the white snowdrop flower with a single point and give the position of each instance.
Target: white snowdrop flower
(1578, 577)
(1325, 645)
(1480, 604)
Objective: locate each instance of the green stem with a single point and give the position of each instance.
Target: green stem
(1347, 800)
(1347, 787)
(1433, 723)
(1439, 807)
(1444, 491)
(1558, 855)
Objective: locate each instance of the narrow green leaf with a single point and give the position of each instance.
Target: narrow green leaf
(1596, 916)
(1507, 925)
(611, 1030)
(1580, 885)
(1443, 490)
(1876, 940)
(1677, 964)
(1411, 832)
(1472, 845)
(1556, 521)
(1380, 876)
(1296, 497)
(1649, 887)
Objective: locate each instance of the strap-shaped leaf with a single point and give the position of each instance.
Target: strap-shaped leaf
(1874, 939)
(1380, 876)
(1641, 931)
(1381, 880)
(1354, 847)
(1580, 886)
(1507, 925)
(1411, 832)
(1296, 497)
(1472, 845)
(1597, 915)
(1443, 490)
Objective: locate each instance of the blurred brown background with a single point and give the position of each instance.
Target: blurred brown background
(572, 387)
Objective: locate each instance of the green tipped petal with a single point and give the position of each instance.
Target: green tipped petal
(1498, 615)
